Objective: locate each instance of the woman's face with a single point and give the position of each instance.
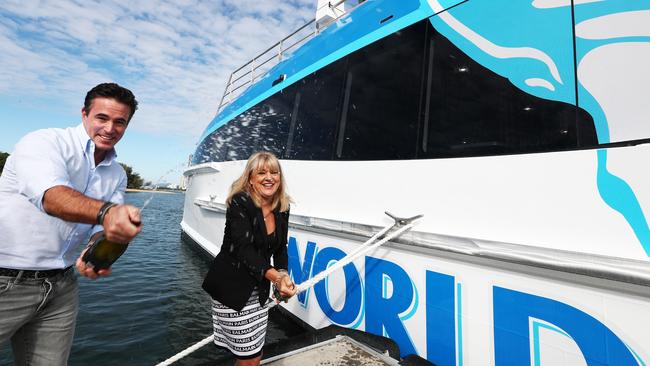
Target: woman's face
(265, 181)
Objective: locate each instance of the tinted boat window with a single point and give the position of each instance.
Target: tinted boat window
(273, 125)
(318, 106)
(586, 128)
(263, 127)
(208, 150)
(472, 111)
(383, 87)
(380, 95)
(241, 135)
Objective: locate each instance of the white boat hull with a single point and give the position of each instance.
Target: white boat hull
(520, 246)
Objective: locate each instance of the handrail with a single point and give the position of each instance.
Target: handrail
(279, 51)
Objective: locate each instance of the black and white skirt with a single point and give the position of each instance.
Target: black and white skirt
(242, 332)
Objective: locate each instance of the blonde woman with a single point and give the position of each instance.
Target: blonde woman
(240, 275)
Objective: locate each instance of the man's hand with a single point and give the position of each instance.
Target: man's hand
(122, 223)
(88, 271)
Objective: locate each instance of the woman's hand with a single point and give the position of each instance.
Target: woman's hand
(282, 283)
(286, 287)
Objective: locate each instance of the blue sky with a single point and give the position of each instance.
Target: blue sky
(175, 56)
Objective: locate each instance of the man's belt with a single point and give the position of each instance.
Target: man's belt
(30, 273)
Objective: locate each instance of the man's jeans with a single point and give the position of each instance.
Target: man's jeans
(39, 315)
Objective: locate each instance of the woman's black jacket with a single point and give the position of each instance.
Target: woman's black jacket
(245, 254)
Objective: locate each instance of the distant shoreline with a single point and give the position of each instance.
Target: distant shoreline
(134, 190)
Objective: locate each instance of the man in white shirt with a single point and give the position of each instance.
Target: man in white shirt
(59, 187)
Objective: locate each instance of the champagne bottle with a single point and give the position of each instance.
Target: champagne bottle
(102, 253)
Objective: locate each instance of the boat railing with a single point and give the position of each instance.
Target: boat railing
(259, 66)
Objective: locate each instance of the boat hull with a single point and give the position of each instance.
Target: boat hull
(521, 250)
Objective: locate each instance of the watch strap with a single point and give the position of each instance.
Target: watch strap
(102, 212)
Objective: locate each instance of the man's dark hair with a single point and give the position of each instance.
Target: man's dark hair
(113, 91)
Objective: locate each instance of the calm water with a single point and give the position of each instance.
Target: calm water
(152, 306)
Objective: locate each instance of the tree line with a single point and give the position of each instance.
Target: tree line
(3, 160)
(133, 179)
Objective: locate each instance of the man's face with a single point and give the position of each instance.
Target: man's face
(105, 122)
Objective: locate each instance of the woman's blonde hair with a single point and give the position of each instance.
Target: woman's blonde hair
(259, 161)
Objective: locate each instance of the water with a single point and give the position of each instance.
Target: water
(152, 306)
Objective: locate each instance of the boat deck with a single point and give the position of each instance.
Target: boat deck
(332, 346)
(339, 351)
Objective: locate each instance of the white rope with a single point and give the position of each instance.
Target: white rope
(186, 352)
(361, 250)
(348, 259)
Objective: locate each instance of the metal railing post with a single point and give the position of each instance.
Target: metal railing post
(235, 80)
(225, 93)
(252, 71)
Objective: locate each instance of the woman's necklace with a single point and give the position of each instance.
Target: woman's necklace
(267, 215)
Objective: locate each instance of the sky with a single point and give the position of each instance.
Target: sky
(174, 55)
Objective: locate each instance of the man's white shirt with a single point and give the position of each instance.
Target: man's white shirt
(29, 237)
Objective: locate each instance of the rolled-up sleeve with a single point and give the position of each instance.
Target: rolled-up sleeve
(39, 165)
(118, 194)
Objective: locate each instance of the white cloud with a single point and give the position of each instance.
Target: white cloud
(175, 55)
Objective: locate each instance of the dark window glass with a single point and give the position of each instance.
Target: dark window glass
(378, 96)
(263, 127)
(586, 129)
(382, 98)
(473, 111)
(206, 151)
(318, 107)
(272, 127)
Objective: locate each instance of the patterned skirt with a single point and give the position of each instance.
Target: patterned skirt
(242, 332)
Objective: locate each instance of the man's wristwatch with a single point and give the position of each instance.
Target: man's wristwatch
(102, 212)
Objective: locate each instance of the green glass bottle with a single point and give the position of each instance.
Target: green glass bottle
(102, 253)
